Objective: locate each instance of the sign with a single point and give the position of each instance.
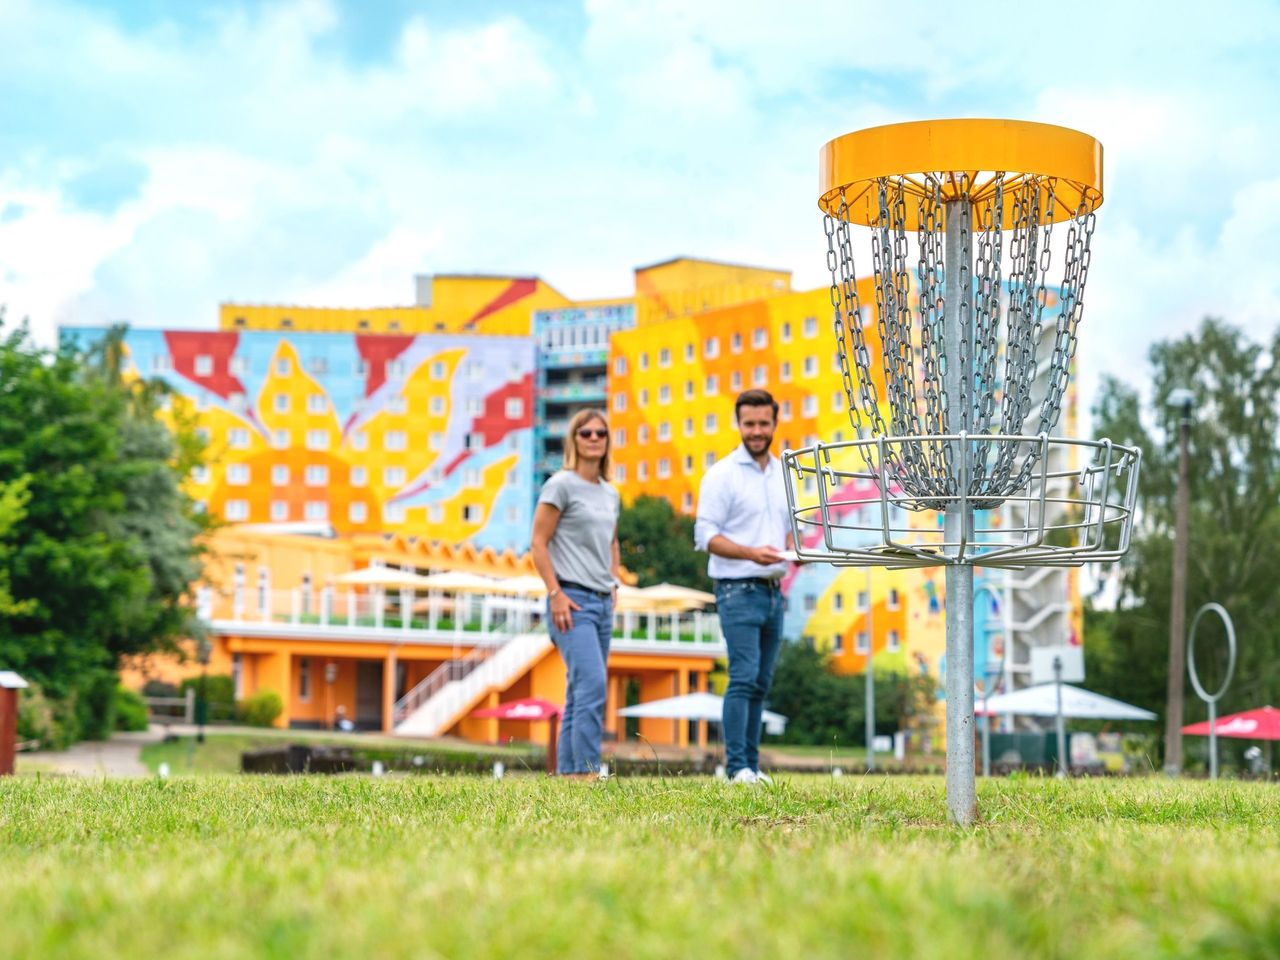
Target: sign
(1072, 659)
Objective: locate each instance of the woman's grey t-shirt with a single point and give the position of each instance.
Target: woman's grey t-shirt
(582, 547)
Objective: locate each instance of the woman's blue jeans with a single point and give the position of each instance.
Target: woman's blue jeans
(751, 621)
(585, 650)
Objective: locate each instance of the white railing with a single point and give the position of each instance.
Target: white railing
(438, 679)
(694, 628)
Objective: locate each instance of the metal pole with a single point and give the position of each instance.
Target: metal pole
(871, 684)
(1213, 740)
(1062, 727)
(1178, 606)
(986, 726)
(962, 803)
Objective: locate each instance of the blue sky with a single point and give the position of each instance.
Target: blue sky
(157, 158)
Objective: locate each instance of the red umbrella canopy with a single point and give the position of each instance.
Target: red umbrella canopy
(1260, 724)
(530, 708)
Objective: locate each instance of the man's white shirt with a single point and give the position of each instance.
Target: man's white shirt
(747, 505)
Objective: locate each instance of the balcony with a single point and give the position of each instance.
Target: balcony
(568, 359)
(587, 391)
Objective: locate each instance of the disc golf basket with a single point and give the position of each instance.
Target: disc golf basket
(952, 398)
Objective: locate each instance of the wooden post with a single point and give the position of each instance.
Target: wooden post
(8, 730)
(553, 735)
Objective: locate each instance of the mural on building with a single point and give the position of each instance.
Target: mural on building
(430, 435)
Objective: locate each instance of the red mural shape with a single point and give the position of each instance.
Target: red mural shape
(378, 350)
(518, 290)
(186, 346)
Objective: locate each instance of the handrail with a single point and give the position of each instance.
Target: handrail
(450, 670)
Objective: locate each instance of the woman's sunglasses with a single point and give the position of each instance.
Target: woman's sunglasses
(587, 434)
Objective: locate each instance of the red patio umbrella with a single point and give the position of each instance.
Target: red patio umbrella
(530, 708)
(1262, 723)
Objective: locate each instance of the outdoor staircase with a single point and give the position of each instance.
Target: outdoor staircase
(457, 687)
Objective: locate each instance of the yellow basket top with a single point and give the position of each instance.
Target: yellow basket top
(965, 156)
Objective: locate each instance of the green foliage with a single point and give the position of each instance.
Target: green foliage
(50, 723)
(103, 551)
(218, 688)
(131, 710)
(1234, 523)
(824, 708)
(656, 544)
(261, 709)
(13, 502)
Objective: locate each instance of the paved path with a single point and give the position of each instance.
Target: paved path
(117, 757)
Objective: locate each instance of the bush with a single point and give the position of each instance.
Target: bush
(261, 709)
(159, 688)
(218, 689)
(131, 710)
(95, 706)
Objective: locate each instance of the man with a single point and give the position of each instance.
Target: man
(745, 524)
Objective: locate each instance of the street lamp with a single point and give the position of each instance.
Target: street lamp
(1182, 400)
(203, 651)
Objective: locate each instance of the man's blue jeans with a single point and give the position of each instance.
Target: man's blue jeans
(585, 649)
(751, 620)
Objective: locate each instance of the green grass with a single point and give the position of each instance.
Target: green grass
(220, 752)
(441, 867)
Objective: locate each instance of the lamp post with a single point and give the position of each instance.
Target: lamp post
(202, 702)
(1183, 400)
(871, 685)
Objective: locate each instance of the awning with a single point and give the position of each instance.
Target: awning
(1262, 723)
(1042, 701)
(696, 706)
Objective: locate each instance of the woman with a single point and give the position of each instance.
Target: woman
(575, 550)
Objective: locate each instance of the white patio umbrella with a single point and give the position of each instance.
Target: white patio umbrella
(674, 593)
(528, 584)
(1041, 701)
(383, 577)
(696, 706)
(458, 581)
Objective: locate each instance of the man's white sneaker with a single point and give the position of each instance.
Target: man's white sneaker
(745, 775)
(764, 778)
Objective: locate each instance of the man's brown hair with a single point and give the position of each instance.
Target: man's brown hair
(755, 398)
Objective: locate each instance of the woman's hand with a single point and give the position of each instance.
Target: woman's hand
(562, 607)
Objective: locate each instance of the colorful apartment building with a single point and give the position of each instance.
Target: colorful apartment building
(429, 427)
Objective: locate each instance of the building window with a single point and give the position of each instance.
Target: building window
(471, 478)
(760, 338)
(711, 349)
(862, 600)
(811, 406)
(688, 389)
(642, 434)
(316, 510)
(713, 386)
(394, 440)
(709, 425)
(735, 343)
(619, 402)
(810, 602)
(359, 440)
(892, 603)
(316, 475)
(437, 370)
(160, 363)
(620, 437)
(318, 366)
(237, 510)
(397, 404)
(359, 477)
(862, 645)
(280, 403)
(686, 502)
(760, 376)
(393, 477)
(837, 644)
(837, 601)
(395, 368)
(620, 473)
(279, 511)
(644, 398)
(644, 361)
(472, 513)
(810, 326)
(810, 366)
(435, 440)
(664, 357)
(238, 438)
(688, 353)
(357, 511)
(709, 460)
(435, 513)
(204, 366)
(642, 470)
(892, 643)
(664, 468)
(283, 367)
(664, 394)
(317, 439)
(200, 474)
(264, 588)
(785, 334)
(837, 402)
(317, 403)
(475, 370)
(688, 426)
(238, 474)
(664, 430)
(304, 679)
(515, 408)
(475, 406)
(619, 366)
(474, 441)
(393, 513)
(735, 381)
(785, 410)
(784, 371)
(436, 406)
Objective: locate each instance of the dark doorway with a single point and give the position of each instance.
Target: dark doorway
(369, 695)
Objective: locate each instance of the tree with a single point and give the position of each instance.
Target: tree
(104, 553)
(1234, 523)
(656, 544)
(13, 503)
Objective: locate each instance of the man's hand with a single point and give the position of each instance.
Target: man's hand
(765, 556)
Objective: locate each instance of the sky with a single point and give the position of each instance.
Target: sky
(159, 158)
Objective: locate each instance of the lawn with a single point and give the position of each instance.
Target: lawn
(467, 867)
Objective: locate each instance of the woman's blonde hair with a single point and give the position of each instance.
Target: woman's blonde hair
(571, 440)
